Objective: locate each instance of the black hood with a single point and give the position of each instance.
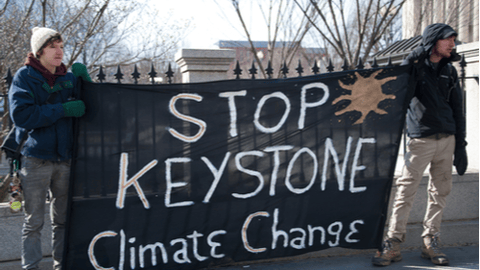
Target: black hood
(433, 33)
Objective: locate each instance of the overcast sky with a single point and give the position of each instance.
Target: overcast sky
(213, 20)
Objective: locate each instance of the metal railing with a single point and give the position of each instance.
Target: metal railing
(101, 77)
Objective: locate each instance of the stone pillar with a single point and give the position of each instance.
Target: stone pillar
(200, 65)
(411, 16)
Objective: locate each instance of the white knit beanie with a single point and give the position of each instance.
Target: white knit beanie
(40, 35)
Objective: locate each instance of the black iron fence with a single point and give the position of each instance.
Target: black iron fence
(118, 76)
(101, 77)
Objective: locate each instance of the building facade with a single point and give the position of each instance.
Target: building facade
(462, 15)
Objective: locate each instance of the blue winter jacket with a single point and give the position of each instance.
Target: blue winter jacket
(50, 132)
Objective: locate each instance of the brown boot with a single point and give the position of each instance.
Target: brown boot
(431, 251)
(389, 253)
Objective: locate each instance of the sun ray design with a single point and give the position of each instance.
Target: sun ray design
(366, 95)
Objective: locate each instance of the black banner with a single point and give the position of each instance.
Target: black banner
(187, 176)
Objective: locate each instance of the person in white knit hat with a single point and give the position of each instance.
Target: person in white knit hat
(40, 36)
(43, 105)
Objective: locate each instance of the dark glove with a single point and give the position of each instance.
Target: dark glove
(74, 108)
(454, 56)
(416, 58)
(418, 55)
(80, 70)
(460, 157)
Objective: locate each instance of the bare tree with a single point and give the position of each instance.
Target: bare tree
(285, 32)
(351, 27)
(95, 32)
(4, 8)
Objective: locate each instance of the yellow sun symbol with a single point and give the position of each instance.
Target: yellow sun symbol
(366, 95)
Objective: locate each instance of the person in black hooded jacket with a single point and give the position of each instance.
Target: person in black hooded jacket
(436, 127)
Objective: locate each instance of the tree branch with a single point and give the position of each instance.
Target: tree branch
(252, 47)
(4, 7)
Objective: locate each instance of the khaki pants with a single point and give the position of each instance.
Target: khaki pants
(438, 152)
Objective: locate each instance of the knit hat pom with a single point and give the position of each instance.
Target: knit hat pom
(40, 35)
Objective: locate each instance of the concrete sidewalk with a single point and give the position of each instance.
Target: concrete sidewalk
(461, 258)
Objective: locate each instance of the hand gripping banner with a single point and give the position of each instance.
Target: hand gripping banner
(188, 176)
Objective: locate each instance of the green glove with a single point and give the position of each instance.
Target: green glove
(80, 70)
(74, 108)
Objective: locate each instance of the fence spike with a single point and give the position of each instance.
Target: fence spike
(299, 68)
(8, 78)
(135, 74)
(345, 65)
(360, 64)
(169, 73)
(269, 70)
(462, 62)
(374, 64)
(315, 68)
(119, 74)
(101, 76)
(152, 74)
(284, 69)
(253, 70)
(237, 71)
(330, 67)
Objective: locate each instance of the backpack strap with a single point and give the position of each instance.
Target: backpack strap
(451, 83)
